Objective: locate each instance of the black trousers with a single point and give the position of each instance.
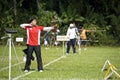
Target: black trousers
(69, 43)
(37, 50)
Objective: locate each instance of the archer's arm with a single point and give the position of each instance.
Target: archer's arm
(24, 25)
(90, 30)
(48, 28)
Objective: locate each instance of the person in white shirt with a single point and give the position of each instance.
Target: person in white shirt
(71, 34)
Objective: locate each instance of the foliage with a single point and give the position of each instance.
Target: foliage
(105, 14)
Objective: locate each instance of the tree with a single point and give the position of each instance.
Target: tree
(102, 13)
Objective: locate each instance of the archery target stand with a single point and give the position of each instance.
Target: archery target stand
(63, 38)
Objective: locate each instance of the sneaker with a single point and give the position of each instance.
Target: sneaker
(85, 48)
(67, 53)
(47, 48)
(40, 71)
(26, 71)
(74, 53)
(79, 48)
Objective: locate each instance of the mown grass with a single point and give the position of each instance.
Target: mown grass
(85, 65)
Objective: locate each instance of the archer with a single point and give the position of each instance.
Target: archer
(33, 41)
(83, 36)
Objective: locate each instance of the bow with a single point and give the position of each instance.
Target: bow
(54, 21)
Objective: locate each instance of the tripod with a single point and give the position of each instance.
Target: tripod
(10, 44)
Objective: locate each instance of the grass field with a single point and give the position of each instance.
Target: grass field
(85, 65)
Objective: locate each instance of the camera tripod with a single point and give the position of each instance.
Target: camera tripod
(10, 44)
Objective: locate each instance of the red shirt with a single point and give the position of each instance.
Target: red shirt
(33, 35)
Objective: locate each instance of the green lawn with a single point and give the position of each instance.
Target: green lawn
(85, 65)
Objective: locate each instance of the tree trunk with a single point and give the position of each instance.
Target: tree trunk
(38, 4)
(15, 12)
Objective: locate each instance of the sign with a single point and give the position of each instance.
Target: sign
(19, 39)
(62, 38)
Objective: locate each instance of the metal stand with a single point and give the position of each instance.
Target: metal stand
(79, 44)
(63, 48)
(10, 45)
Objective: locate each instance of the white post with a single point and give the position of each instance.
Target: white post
(9, 56)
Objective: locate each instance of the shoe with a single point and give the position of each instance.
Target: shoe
(79, 48)
(85, 48)
(74, 53)
(67, 53)
(47, 48)
(26, 71)
(40, 71)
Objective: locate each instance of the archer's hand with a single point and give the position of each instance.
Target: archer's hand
(55, 26)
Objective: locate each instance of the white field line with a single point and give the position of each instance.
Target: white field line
(59, 78)
(11, 66)
(20, 76)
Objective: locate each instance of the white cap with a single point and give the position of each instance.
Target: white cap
(71, 25)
